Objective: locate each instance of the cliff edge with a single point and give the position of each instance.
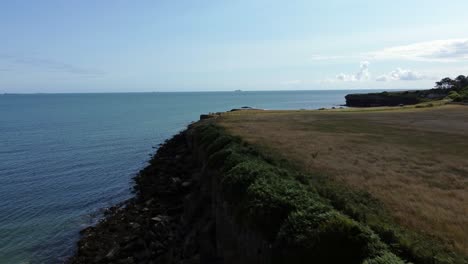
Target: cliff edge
(206, 197)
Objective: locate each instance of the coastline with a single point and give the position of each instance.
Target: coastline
(208, 196)
(189, 209)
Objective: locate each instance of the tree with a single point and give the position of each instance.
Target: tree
(445, 83)
(461, 82)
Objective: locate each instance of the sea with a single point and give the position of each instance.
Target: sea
(64, 158)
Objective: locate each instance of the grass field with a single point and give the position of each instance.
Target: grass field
(414, 160)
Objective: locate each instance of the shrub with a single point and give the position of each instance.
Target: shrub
(463, 96)
(385, 258)
(209, 135)
(270, 200)
(453, 95)
(218, 144)
(241, 176)
(225, 159)
(326, 236)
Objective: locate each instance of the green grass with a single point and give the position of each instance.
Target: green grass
(395, 135)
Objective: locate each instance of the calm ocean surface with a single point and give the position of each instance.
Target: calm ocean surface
(64, 157)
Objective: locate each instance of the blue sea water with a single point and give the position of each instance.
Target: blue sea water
(65, 157)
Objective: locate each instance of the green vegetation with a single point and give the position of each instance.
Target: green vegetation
(453, 89)
(290, 214)
(458, 88)
(460, 96)
(456, 84)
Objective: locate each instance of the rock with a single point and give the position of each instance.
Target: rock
(149, 202)
(394, 98)
(186, 184)
(244, 108)
(111, 254)
(157, 219)
(142, 255)
(175, 180)
(149, 228)
(128, 260)
(134, 225)
(205, 116)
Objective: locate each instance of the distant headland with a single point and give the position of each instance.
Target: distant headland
(451, 89)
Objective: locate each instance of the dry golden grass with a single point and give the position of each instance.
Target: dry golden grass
(414, 160)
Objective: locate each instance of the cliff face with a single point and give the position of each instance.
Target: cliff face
(372, 100)
(395, 98)
(206, 197)
(177, 216)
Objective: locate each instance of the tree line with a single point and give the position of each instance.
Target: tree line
(456, 84)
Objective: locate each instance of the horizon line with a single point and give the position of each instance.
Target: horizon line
(208, 91)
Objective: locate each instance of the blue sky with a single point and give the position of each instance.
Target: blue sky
(134, 46)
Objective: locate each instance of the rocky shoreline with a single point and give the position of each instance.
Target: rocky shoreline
(154, 226)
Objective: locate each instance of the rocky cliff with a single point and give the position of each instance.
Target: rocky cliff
(207, 197)
(395, 98)
(177, 216)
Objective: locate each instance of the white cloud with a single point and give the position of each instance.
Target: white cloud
(448, 50)
(438, 50)
(402, 75)
(362, 75)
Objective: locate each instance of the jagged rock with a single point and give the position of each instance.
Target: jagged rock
(175, 180)
(111, 254)
(186, 184)
(157, 219)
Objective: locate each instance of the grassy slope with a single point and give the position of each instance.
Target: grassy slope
(414, 161)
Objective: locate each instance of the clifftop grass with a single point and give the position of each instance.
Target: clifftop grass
(399, 172)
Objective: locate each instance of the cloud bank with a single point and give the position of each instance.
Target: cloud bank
(402, 75)
(438, 50)
(449, 50)
(362, 75)
(396, 75)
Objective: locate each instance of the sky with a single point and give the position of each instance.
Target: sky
(56, 46)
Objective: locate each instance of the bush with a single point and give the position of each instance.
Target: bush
(225, 159)
(269, 201)
(241, 176)
(326, 236)
(463, 96)
(453, 95)
(385, 258)
(218, 144)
